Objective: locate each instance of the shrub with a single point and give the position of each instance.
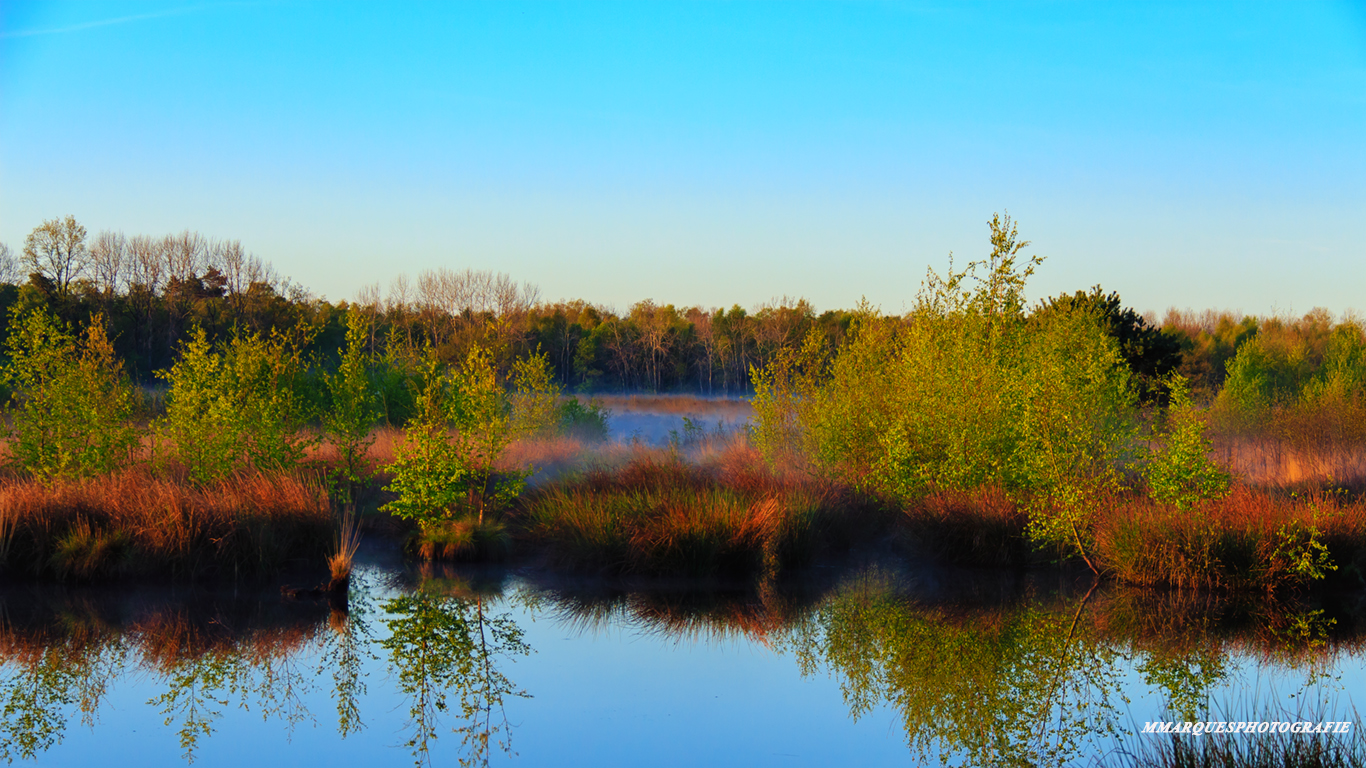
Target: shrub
(465, 418)
(963, 393)
(71, 404)
(1180, 472)
(242, 405)
(585, 422)
(354, 408)
(429, 479)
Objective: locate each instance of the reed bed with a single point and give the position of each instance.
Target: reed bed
(983, 526)
(1271, 463)
(1251, 539)
(659, 513)
(135, 523)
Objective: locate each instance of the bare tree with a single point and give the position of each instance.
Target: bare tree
(368, 301)
(782, 323)
(369, 297)
(56, 250)
(145, 264)
(9, 266)
(108, 261)
(706, 342)
(242, 269)
(184, 254)
(396, 306)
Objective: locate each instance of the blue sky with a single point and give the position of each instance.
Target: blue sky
(1205, 156)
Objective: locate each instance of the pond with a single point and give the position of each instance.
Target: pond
(871, 663)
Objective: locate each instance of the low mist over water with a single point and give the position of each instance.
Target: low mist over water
(659, 420)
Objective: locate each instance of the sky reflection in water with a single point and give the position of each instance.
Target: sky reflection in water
(873, 665)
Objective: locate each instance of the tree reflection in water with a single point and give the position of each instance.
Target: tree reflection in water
(1023, 686)
(446, 645)
(45, 676)
(1013, 673)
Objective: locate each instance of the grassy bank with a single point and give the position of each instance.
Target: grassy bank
(709, 507)
(716, 506)
(659, 513)
(134, 523)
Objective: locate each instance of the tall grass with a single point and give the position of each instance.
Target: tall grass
(346, 543)
(982, 526)
(659, 513)
(134, 522)
(1249, 540)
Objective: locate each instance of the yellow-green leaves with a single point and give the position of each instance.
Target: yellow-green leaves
(446, 467)
(1180, 472)
(71, 405)
(237, 406)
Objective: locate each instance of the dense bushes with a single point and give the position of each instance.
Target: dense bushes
(988, 424)
(71, 407)
(1303, 383)
(965, 392)
(238, 406)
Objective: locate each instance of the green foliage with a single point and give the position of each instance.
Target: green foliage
(465, 418)
(789, 409)
(444, 649)
(1181, 472)
(1150, 353)
(1025, 687)
(1301, 551)
(394, 379)
(535, 397)
(1264, 374)
(354, 407)
(485, 422)
(71, 406)
(245, 404)
(429, 479)
(1208, 342)
(1302, 381)
(1185, 678)
(584, 421)
(963, 393)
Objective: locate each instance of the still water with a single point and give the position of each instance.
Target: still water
(876, 663)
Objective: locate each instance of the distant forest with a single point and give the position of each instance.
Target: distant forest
(152, 292)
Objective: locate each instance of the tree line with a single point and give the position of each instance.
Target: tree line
(154, 293)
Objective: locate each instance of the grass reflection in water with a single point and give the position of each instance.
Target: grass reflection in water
(1001, 670)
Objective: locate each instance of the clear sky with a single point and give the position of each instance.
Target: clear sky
(1190, 155)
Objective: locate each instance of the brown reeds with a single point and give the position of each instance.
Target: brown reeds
(346, 543)
(134, 522)
(658, 513)
(983, 526)
(466, 539)
(1274, 463)
(1251, 539)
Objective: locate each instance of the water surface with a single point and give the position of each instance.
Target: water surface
(876, 663)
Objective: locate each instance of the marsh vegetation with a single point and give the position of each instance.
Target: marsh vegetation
(988, 528)
(173, 407)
